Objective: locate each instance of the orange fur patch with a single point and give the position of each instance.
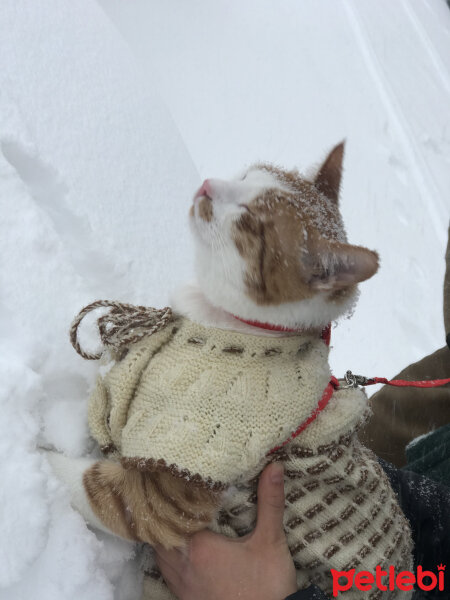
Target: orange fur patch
(278, 231)
(292, 239)
(205, 209)
(156, 508)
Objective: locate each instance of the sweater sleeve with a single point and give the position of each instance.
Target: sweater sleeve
(310, 593)
(426, 504)
(115, 388)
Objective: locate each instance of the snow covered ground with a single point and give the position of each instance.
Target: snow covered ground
(111, 113)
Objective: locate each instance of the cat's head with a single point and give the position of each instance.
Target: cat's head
(271, 245)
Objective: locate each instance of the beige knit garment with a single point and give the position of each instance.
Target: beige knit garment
(209, 401)
(341, 512)
(213, 402)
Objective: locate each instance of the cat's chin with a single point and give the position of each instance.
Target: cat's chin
(220, 310)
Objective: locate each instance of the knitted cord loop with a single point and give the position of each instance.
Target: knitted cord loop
(122, 325)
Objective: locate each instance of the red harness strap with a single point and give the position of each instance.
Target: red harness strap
(326, 396)
(328, 392)
(334, 384)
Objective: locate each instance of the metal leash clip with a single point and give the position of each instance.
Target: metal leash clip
(353, 381)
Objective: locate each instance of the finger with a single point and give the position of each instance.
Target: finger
(174, 557)
(171, 575)
(270, 508)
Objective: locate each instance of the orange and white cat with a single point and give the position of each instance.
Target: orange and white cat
(272, 259)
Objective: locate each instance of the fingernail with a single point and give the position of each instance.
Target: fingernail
(277, 474)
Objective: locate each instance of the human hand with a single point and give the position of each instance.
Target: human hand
(257, 566)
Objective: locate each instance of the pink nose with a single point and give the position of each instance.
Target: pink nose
(205, 190)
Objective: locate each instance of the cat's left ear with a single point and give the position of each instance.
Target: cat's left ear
(328, 178)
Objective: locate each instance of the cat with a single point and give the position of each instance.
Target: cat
(191, 414)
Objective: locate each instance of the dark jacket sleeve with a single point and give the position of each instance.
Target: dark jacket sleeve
(311, 593)
(426, 504)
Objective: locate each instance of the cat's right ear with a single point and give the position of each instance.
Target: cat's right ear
(328, 178)
(336, 266)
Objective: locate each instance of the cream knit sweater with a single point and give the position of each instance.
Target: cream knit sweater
(209, 404)
(208, 401)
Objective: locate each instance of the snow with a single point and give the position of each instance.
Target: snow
(284, 82)
(85, 185)
(110, 115)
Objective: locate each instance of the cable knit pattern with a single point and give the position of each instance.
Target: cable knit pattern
(209, 404)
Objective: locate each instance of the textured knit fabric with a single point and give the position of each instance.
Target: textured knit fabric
(209, 404)
(426, 504)
(340, 513)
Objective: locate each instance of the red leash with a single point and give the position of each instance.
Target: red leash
(428, 383)
(356, 380)
(353, 381)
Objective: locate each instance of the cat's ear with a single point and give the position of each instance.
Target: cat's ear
(336, 266)
(328, 178)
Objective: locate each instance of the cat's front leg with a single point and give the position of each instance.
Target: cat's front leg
(152, 507)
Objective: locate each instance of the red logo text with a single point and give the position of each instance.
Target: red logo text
(387, 580)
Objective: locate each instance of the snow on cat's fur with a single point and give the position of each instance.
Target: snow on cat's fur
(271, 247)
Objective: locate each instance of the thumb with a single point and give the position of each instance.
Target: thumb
(270, 508)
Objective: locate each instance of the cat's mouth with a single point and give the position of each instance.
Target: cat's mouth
(198, 197)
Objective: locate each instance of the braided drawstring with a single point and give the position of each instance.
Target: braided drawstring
(123, 325)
